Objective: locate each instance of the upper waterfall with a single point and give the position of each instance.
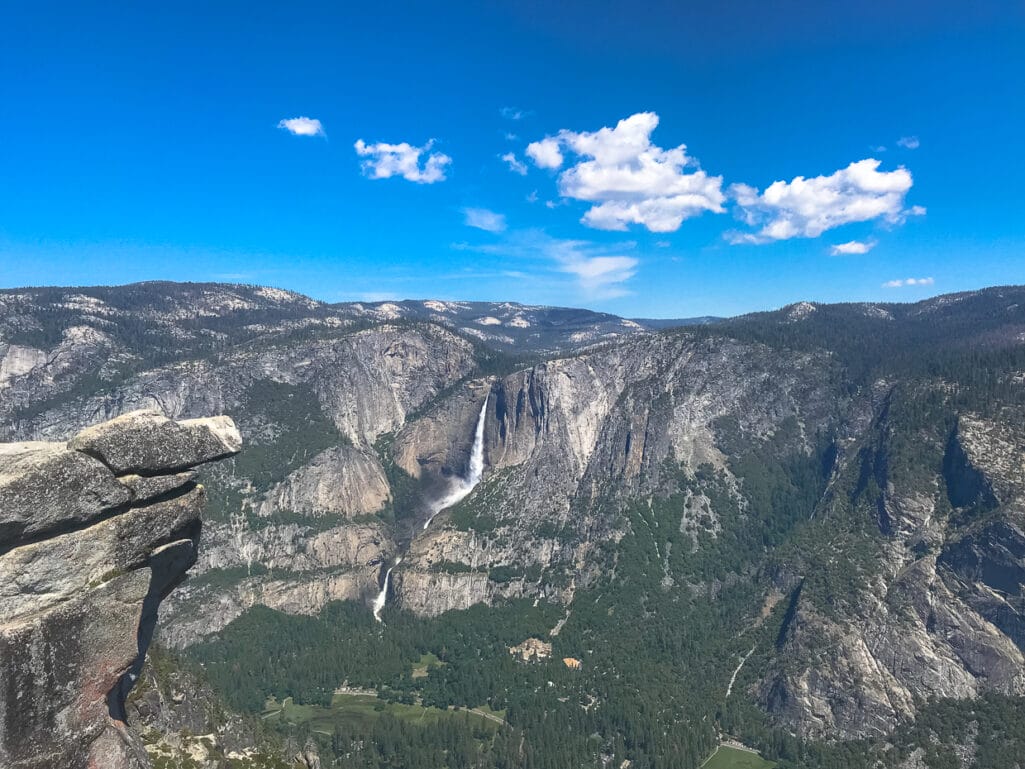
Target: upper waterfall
(463, 486)
(458, 491)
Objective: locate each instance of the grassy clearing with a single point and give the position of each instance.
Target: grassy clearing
(732, 758)
(495, 716)
(421, 668)
(359, 709)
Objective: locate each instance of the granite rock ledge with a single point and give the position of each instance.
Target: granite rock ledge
(94, 533)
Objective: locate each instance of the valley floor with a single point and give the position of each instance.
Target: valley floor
(731, 757)
(360, 710)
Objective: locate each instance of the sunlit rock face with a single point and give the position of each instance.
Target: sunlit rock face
(568, 441)
(94, 533)
(944, 615)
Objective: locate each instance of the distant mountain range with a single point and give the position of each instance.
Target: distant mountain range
(249, 310)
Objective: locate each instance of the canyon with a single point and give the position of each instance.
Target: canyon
(356, 417)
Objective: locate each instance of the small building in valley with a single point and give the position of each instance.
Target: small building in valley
(571, 662)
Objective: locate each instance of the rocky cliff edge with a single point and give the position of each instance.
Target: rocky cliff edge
(94, 533)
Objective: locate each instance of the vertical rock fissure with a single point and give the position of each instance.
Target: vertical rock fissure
(168, 565)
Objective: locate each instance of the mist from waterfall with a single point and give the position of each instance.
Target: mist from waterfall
(463, 486)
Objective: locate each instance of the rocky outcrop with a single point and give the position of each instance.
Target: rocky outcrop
(44, 488)
(343, 481)
(944, 614)
(532, 650)
(184, 723)
(148, 443)
(920, 640)
(93, 535)
(431, 593)
(17, 361)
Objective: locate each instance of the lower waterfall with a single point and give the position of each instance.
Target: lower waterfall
(382, 597)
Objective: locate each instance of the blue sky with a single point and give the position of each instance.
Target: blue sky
(729, 157)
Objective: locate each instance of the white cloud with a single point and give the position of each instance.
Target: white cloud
(908, 282)
(545, 153)
(302, 126)
(627, 178)
(909, 142)
(511, 113)
(599, 275)
(514, 163)
(808, 207)
(852, 247)
(483, 219)
(598, 271)
(387, 160)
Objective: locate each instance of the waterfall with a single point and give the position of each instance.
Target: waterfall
(459, 490)
(465, 485)
(733, 678)
(382, 597)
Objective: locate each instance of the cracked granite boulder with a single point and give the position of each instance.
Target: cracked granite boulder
(93, 535)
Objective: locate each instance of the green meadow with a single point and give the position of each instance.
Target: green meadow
(726, 757)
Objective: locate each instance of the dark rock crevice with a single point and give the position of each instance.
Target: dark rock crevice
(966, 487)
(168, 565)
(81, 584)
(61, 529)
(790, 615)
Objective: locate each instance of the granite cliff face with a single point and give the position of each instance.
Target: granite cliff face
(569, 441)
(906, 583)
(942, 613)
(94, 533)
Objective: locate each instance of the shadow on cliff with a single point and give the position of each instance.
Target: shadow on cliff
(169, 564)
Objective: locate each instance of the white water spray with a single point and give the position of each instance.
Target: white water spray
(382, 597)
(464, 486)
(733, 678)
